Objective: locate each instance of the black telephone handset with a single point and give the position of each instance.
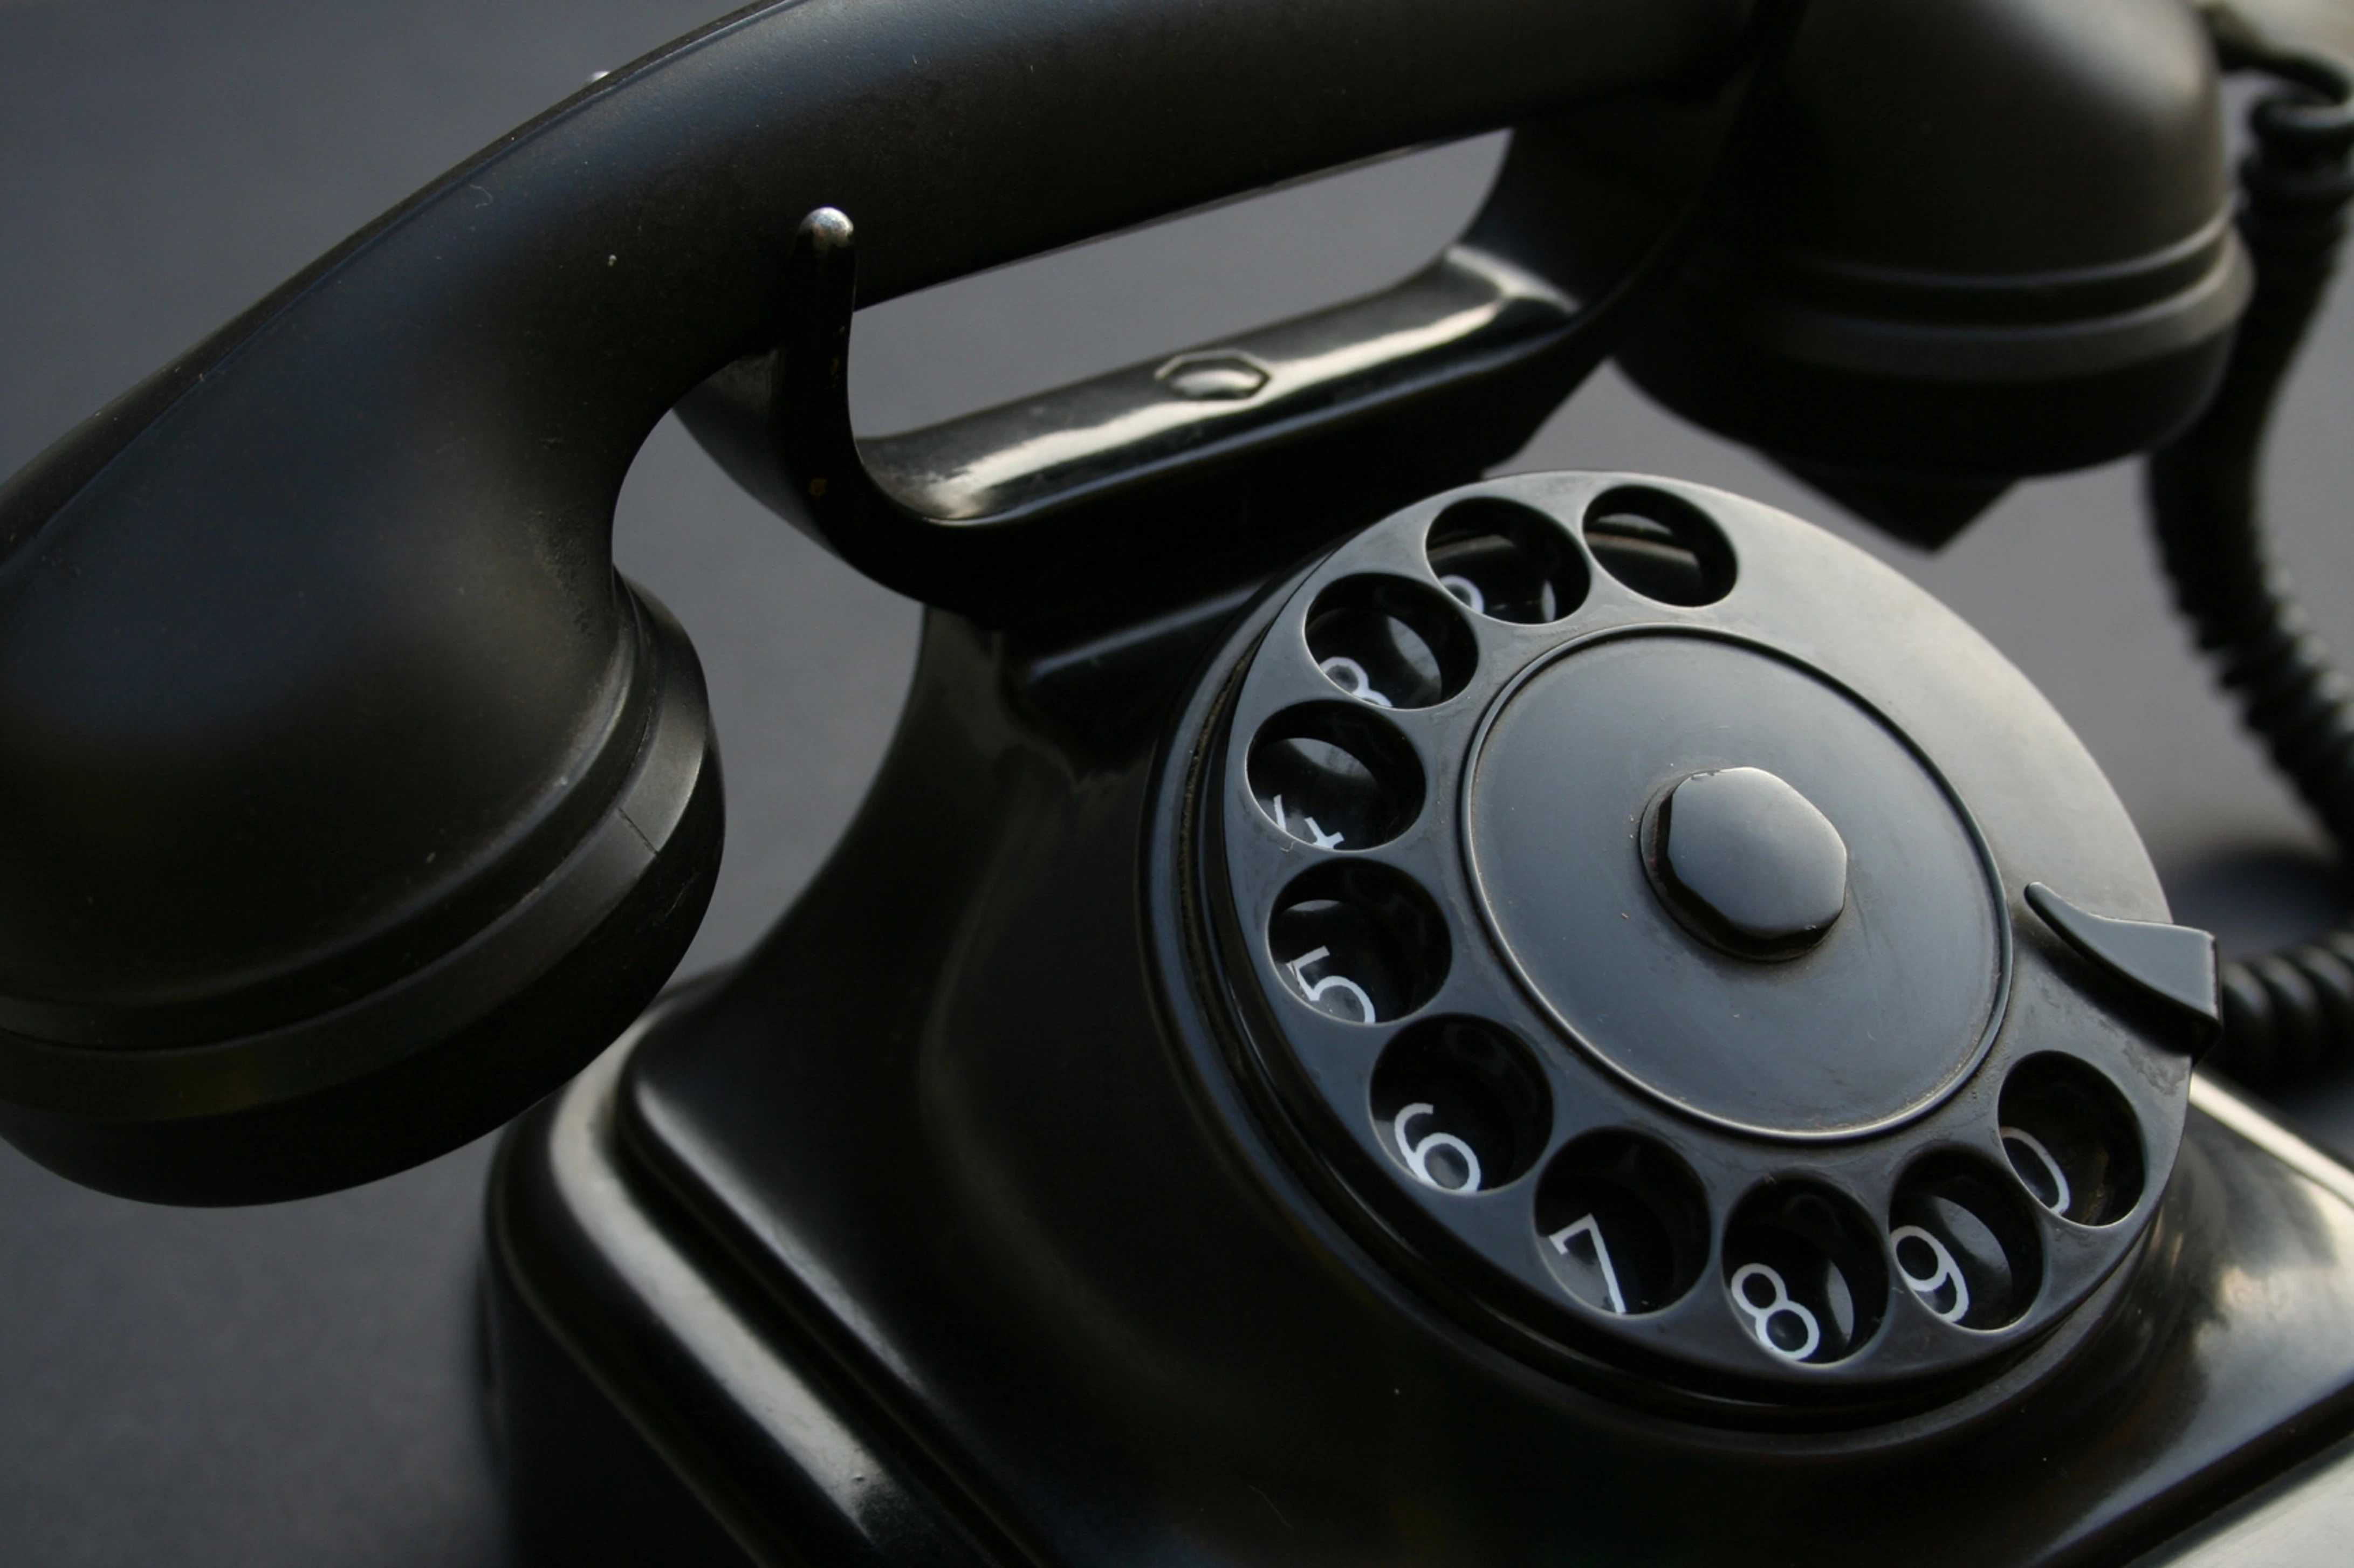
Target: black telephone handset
(1540, 1019)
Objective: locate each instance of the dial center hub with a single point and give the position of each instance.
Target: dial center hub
(1748, 863)
(1650, 818)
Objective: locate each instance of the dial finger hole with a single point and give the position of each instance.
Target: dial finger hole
(1391, 643)
(1804, 1273)
(2071, 1139)
(1459, 1104)
(1622, 1222)
(1359, 942)
(1661, 545)
(1964, 1243)
(1335, 776)
(1507, 561)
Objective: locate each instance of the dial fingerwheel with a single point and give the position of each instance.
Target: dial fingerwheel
(1626, 885)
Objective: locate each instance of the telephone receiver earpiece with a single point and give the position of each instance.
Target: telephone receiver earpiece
(368, 803)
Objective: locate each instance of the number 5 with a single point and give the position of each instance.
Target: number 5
(1314, 989)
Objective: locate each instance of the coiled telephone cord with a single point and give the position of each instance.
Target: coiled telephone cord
(2288, 1015)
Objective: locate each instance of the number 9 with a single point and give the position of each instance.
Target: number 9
(1947, 1272)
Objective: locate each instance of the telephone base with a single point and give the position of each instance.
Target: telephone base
(646, 1386)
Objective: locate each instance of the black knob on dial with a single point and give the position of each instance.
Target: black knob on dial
(1747, 862)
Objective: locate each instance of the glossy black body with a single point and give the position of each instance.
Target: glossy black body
(941, 1232)
(2171, 965)
(1914, 302)
(944, 1231)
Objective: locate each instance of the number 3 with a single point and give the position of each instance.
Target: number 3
(1351, 677)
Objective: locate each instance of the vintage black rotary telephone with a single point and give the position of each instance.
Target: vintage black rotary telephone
(1373, 1013)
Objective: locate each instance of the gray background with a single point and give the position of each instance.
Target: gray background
(291, 1384)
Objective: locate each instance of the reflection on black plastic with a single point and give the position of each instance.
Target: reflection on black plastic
(1507, 561)
(1661, 545)
(1335, 776)
(1390, 642)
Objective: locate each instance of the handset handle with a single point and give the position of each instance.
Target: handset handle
(1174, 479)
(369, 801)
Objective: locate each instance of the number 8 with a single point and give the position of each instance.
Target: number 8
(1762, 1315)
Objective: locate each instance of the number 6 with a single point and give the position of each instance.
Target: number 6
(1417, 1155)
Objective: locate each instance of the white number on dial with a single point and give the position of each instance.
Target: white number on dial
(1350, 676)
(1777, 1308)
(1946, 1274)
(1417, 1154)
(1466, 590)
(1314, 989)
(2054, 1179)
(1586, 1230)
(1316, 833)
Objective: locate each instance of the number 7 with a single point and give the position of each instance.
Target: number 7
(1592, 1234)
